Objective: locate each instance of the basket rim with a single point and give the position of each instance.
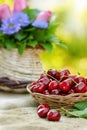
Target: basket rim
(54, 96)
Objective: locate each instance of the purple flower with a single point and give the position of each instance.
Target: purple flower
(21, 18)
(40, 24)
(10, 26)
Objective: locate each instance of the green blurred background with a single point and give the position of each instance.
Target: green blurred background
(72, 30)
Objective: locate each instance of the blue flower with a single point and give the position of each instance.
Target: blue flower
(10, 26)
(21, 18)
(40, 24)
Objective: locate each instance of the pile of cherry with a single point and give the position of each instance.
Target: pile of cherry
(60, 82)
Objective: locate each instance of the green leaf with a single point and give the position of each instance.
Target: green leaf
(81, 105)
(10, 45)
(21, 48)
(32, 13)
(20, 36)
(32, 43)
(47, 46)
(79, 113)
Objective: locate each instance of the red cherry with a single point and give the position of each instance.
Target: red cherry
(65, 85)
(55, 92)
(42, 76)
(58, 75)
(45, 80)
(34, 83)
(46, 92)
(53, 85)
(71, 91)
(63, 74)
(81, 87)
(42, 112)
(80, 79)
(53, 115)
(43, 106)
(39, 88)
(72, 76)
(51, 72)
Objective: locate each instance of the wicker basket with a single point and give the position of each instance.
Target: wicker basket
(57, 101)
(26, 67)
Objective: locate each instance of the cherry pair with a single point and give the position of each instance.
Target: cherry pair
(44, 111)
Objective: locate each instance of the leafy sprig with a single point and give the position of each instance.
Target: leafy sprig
(79, 110)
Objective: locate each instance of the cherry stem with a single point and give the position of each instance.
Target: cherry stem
(51, 77)
(70, 78)
(60, 78)
(74, 81)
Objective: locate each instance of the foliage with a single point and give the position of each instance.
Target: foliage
(79, 110)
(30, 36)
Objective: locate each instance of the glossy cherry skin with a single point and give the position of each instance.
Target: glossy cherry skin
(71, 91)
(42, 76)
(39, 88)
(55, 92)
(32, 85)
(65, 85)
(45, 80)
(46, 92)
(42, 112)
(53, 115)
(72, 76)
(63, 74)
(80, 79)
(53, 85)
(43, 106)
(81, 87)
(51, 72)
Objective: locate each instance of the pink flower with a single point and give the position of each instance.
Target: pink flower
(44, 16)
(5, 11)
(20, 5)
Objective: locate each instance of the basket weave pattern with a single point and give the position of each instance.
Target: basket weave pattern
(20, 67)
(57, 101)
(26, 67)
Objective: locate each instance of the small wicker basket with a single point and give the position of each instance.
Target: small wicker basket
(57, 101)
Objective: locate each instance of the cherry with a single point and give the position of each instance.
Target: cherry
(71, 91)
(42, 76)
(34, 83)
(39, 88)
(55, 92)
(53, 85)
(80, 79)
(53, 115)
(51, 72)
(63, 74)
(81, 87)
(42, 112)
(46, 92)
(45, 80)
(72, 76)
(65, 85)
(43, 106)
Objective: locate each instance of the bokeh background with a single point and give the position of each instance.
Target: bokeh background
(72, 31)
